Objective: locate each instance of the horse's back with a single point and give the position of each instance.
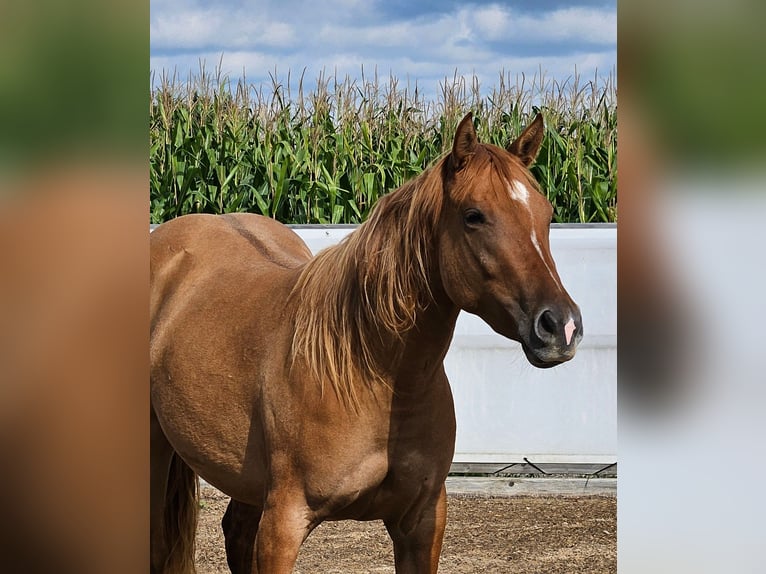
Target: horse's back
(221, 257)
(242, 237)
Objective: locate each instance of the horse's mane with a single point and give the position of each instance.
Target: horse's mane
(366, 291)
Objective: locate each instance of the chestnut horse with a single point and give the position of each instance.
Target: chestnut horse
(312, 389)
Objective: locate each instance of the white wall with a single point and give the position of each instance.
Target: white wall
(507, 409)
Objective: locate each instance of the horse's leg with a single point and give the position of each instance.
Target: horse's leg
(240, 525)
(284, 525)
(161, 454)
(417, 548)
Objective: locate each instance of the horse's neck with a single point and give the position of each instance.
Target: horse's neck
(425, 345)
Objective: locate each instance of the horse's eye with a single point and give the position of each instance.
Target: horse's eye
(473, 217)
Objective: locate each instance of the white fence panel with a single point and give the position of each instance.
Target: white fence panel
(508, 410)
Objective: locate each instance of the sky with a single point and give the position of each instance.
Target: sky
(413, 40)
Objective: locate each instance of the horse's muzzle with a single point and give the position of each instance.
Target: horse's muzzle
(554, 336)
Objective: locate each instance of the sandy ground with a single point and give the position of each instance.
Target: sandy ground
(529, 534)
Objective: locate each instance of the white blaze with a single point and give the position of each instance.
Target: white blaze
(540, 253)
(519, 192)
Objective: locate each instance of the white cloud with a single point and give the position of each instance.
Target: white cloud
(576, 24)
(343, 35)
(463, 34)
(587, 24)
(493, 22)
(205, 27)
(184, 29)
(276, 34)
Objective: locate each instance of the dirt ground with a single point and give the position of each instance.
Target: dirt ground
(529, 534)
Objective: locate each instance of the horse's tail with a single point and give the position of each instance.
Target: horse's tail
(180, 517)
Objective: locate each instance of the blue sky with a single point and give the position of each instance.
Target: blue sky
(423, 41)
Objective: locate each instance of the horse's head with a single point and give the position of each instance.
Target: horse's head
(494, 255)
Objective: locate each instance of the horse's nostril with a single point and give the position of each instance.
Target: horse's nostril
(547, 322)
(546, 325)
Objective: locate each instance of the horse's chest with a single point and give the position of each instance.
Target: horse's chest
(388, 461)
(390, 474)
(408, 483)
(415, 472)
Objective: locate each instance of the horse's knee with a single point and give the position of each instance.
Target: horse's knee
(283, 529)
(418, 544)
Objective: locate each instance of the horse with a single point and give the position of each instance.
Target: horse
(313, 388)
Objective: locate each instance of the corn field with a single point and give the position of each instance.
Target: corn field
(326, 155)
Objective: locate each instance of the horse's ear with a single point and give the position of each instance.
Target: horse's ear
(526, 146)
(465, 142)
